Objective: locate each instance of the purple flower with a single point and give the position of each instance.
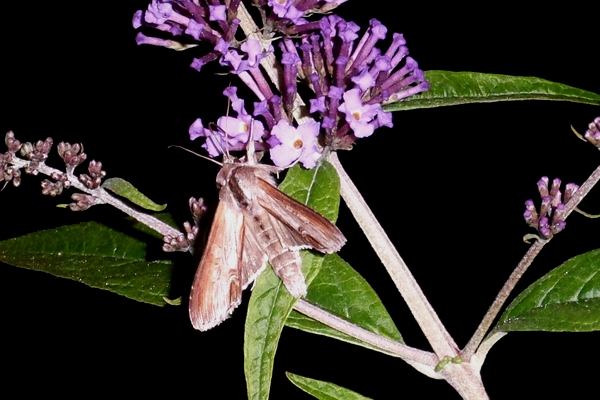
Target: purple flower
(295, 10)
(287, 10)
(213, 23)
(550, 219)
(218, 13)
(213, 144)
(194, 29)
(233, 133)
(360, 116)
(350, 75)
(289, 144)
(592, 135)
(280, 7)
(353, 79)
(158, 13)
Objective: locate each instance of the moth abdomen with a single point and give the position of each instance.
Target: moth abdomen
(288, 267)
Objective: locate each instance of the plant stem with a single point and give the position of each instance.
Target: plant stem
(105, 198)
(463, 377)
(525, 262)
(427, 360)
(441, 341)
(500, 299)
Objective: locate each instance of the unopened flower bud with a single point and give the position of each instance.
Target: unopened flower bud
(26, 149)
(13, 144)
(83, 202)
(551, 217)
(51, 188)
(95, 169)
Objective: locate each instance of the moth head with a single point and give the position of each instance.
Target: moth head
(225, 173)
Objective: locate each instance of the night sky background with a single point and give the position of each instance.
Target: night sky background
(463, 172)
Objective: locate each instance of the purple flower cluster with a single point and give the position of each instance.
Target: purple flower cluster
(293, 12)
(592, 135)
(351, 78)
(7, 171)
(232, 133)
(551, 218)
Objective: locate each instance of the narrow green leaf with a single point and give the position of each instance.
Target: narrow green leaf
(452, 88)
(269, 307)
(93, 254)
(127, 190)
(339, 289)
(565, 299)
(323, 390)
(318, 188)
(270, 303)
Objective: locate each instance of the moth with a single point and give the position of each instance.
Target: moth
(254, 223)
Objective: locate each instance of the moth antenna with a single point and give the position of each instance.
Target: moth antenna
(214, 127)
(199, 155)
(228, 104)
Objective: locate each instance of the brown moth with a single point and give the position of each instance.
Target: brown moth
(254, 223)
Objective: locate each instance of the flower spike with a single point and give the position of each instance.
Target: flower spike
(550, 219)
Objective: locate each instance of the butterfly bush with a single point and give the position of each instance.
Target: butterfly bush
(350, 75)
(346, 75)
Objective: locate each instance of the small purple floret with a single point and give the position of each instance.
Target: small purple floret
(295, 144)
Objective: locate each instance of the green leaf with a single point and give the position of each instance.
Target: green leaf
(270, 303)
(125, 189)
(318, 188)
(451, 88)
(323, 390)
(269, 307)
(340, 290)
(565, 299)
(93, 254)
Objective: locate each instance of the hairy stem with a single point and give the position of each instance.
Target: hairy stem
(500, 299)
(105, 198)
(425, 359)
(440, 340)
(437, 335)
(463, 378)
(528, 258)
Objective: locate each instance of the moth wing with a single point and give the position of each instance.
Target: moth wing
(288, 265)
(308, 227)
(218, 283)
(254, 256)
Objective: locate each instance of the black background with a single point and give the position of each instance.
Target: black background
(463, 172)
